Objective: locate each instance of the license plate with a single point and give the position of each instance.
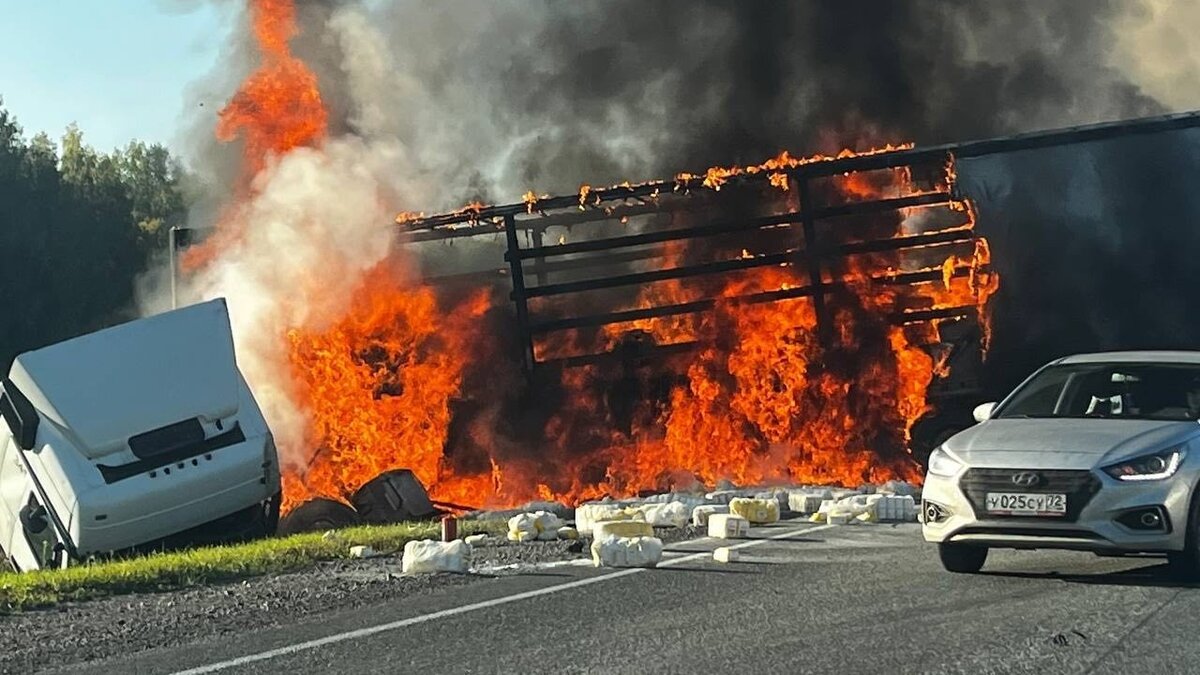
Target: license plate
(1026, 504)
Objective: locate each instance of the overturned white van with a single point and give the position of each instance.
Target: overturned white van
(134, 436)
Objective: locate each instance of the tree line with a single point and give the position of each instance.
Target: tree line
(77, 227)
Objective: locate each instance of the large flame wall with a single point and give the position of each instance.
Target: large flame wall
(402, 376)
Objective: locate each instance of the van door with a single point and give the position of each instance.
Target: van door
(15, 487)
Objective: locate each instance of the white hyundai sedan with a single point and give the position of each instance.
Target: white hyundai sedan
(1096, 452)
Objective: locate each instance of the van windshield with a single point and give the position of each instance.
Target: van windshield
(1150, 391)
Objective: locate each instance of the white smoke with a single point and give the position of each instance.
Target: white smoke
(1158, 47)
(317, 221)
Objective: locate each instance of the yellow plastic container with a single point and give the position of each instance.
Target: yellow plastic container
(758, 511)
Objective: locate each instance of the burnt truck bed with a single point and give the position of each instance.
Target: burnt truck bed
(559, 250)
(570, 262)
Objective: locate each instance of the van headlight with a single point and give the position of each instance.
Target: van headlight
(942, 464)
(1155, 466)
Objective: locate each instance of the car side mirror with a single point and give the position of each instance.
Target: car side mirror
(983, 412)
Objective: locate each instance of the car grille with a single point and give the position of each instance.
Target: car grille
(1078, 486)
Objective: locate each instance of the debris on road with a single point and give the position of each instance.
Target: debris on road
(807, 501)
(362, 552)
(670, 514)
(568, 533)
(866, 508)
(427, 556)
(758, 511)
(589, 514)
(474, 540)
(316, 515)
(542, 526)
(393, 497)
(728, 526)
(725, 554)
(614, 551)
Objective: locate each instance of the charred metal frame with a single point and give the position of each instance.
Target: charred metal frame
(535, 216)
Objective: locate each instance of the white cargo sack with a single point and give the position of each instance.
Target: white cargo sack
(728, 526)
(843, 511)
(547, 525)
(622, 528)
(804, 502)
(522, 527)
(627, 552)
(587, 515)
(428, 556)
(701, 514)
(672, 514)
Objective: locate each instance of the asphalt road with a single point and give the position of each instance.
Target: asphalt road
(850, 599)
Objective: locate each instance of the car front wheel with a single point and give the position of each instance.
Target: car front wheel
(962, 558)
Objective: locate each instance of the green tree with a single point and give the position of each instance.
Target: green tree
(77, 228)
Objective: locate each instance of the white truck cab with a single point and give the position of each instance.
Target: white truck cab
(131, 436)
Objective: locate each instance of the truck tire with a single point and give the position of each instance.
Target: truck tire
(316, 515)
(962, 558)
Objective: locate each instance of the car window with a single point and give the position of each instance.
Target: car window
(1124, 391)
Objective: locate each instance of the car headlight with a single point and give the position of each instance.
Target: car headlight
(1156, 466)
(942, 464)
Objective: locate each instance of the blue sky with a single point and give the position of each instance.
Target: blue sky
(119, 68)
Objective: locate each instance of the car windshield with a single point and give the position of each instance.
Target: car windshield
(1149, 391)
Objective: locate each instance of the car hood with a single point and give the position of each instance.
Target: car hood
(1064, 443)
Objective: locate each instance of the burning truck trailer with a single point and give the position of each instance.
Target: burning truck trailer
(882, 239)
(871, 260)
(813, 320)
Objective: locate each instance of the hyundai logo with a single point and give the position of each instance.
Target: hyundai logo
(1025, 479)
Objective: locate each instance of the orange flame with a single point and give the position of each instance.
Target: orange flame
(278, 107)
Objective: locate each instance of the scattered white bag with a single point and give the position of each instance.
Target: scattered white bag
(672, 514)
(857, 507)
(755, 510)
(627, 551)
(523, 527)
(804, 503)
(428, 556)
(587, 515)
(547, 525)
(476, 539)
(701, 514)
(728, 526)
(541, 525)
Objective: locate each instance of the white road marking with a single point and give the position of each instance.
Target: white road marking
(454, 611)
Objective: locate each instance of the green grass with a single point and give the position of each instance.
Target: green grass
(214, 564)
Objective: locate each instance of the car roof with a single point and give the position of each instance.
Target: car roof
(1150, 356)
